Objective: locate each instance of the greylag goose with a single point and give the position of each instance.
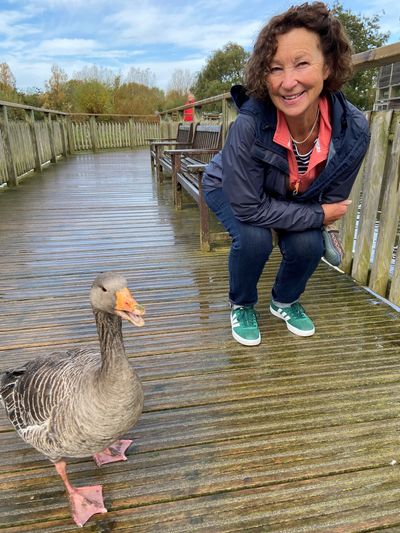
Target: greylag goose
(80, 402)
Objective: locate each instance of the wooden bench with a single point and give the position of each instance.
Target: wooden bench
(187, 166)
(157, 146)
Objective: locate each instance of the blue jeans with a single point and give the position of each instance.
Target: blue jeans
(250, 250)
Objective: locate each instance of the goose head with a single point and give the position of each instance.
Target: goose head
(110, 294)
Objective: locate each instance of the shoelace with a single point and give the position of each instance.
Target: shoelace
(247, 316)
(298, 310)
(337, 244)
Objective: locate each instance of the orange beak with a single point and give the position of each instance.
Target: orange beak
(127, 307)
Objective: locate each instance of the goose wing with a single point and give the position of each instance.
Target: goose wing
(32, 392)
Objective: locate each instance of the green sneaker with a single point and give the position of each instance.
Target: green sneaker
(295, 317)
(244, 326)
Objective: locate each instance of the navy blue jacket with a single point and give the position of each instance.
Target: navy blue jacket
(254, 171)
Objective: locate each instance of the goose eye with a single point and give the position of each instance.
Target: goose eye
(103, 289)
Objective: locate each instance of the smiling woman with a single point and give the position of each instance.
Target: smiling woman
(288, 164)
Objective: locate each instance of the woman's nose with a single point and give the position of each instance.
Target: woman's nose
(288, 80)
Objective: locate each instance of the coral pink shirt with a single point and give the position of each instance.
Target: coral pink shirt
(301, 182)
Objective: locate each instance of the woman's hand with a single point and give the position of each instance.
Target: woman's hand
(334, 211)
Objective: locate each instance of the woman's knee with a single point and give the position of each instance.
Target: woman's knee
(307, 244)
(253, 239)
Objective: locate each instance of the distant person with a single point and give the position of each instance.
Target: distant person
(188, 113)
(288, 164)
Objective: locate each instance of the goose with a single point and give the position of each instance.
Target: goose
(79, 403)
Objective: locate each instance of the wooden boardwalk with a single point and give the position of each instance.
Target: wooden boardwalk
(296, 435)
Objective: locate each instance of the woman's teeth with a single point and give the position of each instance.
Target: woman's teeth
(292, 97)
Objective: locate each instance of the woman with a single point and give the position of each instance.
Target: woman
(288, 164)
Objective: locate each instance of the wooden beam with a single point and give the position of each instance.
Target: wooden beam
(378, 57)
(36, 142)
(10, 163)
(50, 129)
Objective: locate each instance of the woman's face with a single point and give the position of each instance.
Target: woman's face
(297, 74)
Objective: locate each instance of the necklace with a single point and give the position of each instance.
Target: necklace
(309, 135)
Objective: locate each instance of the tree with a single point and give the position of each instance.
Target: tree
(55, 89)
(90, 96)
(181, 82)
(7, 84)
(104, 75)
(6, 76)
(179, 87)
(223, 69)
(364, 34)
(141, 76)
(137, 99)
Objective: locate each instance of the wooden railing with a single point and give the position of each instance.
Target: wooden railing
(32, 137)
(370, 230)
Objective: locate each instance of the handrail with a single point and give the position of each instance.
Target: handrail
(5, 103)
(25, 107)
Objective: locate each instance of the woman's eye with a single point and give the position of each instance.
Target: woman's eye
(275, 70)
(302, 64)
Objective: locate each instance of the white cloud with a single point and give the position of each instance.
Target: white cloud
(161, 35)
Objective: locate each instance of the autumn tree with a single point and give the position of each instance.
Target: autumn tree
(179, 87)
(104, 75)
(89, 96)
(223, 69)
(364, 34)
(7, 84)
(141, 77)
(55, 97)
(137, 99)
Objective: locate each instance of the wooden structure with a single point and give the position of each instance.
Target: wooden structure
(31, 138)
(206, 141)
(157, 146)
(187, 167)
(292, 435)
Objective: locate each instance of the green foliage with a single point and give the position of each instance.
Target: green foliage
(55, 97)
(90, 96)
(137, 99)
(33, 97)
(223, 69)
(8, 91)
(174, 99)
(364, 34)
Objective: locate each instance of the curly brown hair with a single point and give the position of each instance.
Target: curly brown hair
(315, 17)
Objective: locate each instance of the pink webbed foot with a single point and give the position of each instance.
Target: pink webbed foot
(115, 452)
(85, 502)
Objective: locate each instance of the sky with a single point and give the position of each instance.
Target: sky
(160, 35)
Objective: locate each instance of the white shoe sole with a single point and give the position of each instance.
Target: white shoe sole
(254, 342)
(292, 329)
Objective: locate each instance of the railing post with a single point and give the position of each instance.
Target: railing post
(93, 132)
(50, 129)
(36, 144)
(197, 114)
(11, 170)
(70, 133)
(132, 137)
(63, 137)
(229, 114)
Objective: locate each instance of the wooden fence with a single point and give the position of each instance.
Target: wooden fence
(32, 137)
(370, 230)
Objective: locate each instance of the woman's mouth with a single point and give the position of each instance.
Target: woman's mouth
(292, 97)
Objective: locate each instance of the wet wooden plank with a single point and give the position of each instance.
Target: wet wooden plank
(293, 435)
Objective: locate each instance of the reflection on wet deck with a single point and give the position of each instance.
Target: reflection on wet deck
(293, 435)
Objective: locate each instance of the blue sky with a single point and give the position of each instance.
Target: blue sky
(162, 35)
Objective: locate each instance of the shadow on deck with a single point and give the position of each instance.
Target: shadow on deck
(293, 435)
